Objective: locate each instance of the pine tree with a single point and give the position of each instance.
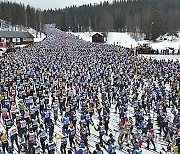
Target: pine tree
(156, 25)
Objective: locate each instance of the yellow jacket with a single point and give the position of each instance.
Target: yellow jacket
(91, 109)
(178, 94)
(175, 149)
(3, 138)
(126, 127)
(21, 106)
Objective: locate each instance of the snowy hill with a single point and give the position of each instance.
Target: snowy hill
(125, 40)
(122, 39)
(112, 38)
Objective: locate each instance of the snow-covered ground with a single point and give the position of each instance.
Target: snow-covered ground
(160, 57)
(166, 43)
(39, 37)
(87, 36)
(124, 39)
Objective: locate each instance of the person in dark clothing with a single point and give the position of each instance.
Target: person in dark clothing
(98, 150)
(51, 128)
(42, 136)
(150, 138)
(101, 131)
(63, 143)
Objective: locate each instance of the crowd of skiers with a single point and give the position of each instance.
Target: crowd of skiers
(68, 88)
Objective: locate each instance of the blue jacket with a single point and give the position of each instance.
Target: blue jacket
(137, 151)
(111, 149)
(80, 151)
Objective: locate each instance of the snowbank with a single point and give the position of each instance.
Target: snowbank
(159, 57)
(164, 44)
(87, 36)
(124, 39)
(39, 37)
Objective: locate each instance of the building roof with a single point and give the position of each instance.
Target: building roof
(97, 34)
(15, 34)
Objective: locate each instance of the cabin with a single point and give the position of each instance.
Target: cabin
(99, 38)
(12, 38)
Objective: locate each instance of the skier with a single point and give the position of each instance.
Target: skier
(101, 132)
(71, 132)
(51, 146)
(46, 116)
(106, 122)
(55, 109)
(51, 128)
(22, 128)
(65, 121)
(43, 137)
(8, 124)
(36, 149)
(35, 125)
(14, 136)
(4, 141)
(31, 139)
(98, 150)
(63, 143)
(111, 147)
(14, 110)
(84, 135)
(150, 138)
(82, 149)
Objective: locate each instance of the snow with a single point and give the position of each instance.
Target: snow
(39, 37)
(166, 43)
(160, 57)
(20, 46)
(87, 36)
(124, 39)
(112, 38)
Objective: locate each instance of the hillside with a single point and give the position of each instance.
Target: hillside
(124, 39)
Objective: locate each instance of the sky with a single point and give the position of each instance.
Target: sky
(47, 4)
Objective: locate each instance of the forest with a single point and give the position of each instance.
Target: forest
(151, 17)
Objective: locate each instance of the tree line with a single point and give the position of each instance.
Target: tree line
(152, 17)
(19, 14)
